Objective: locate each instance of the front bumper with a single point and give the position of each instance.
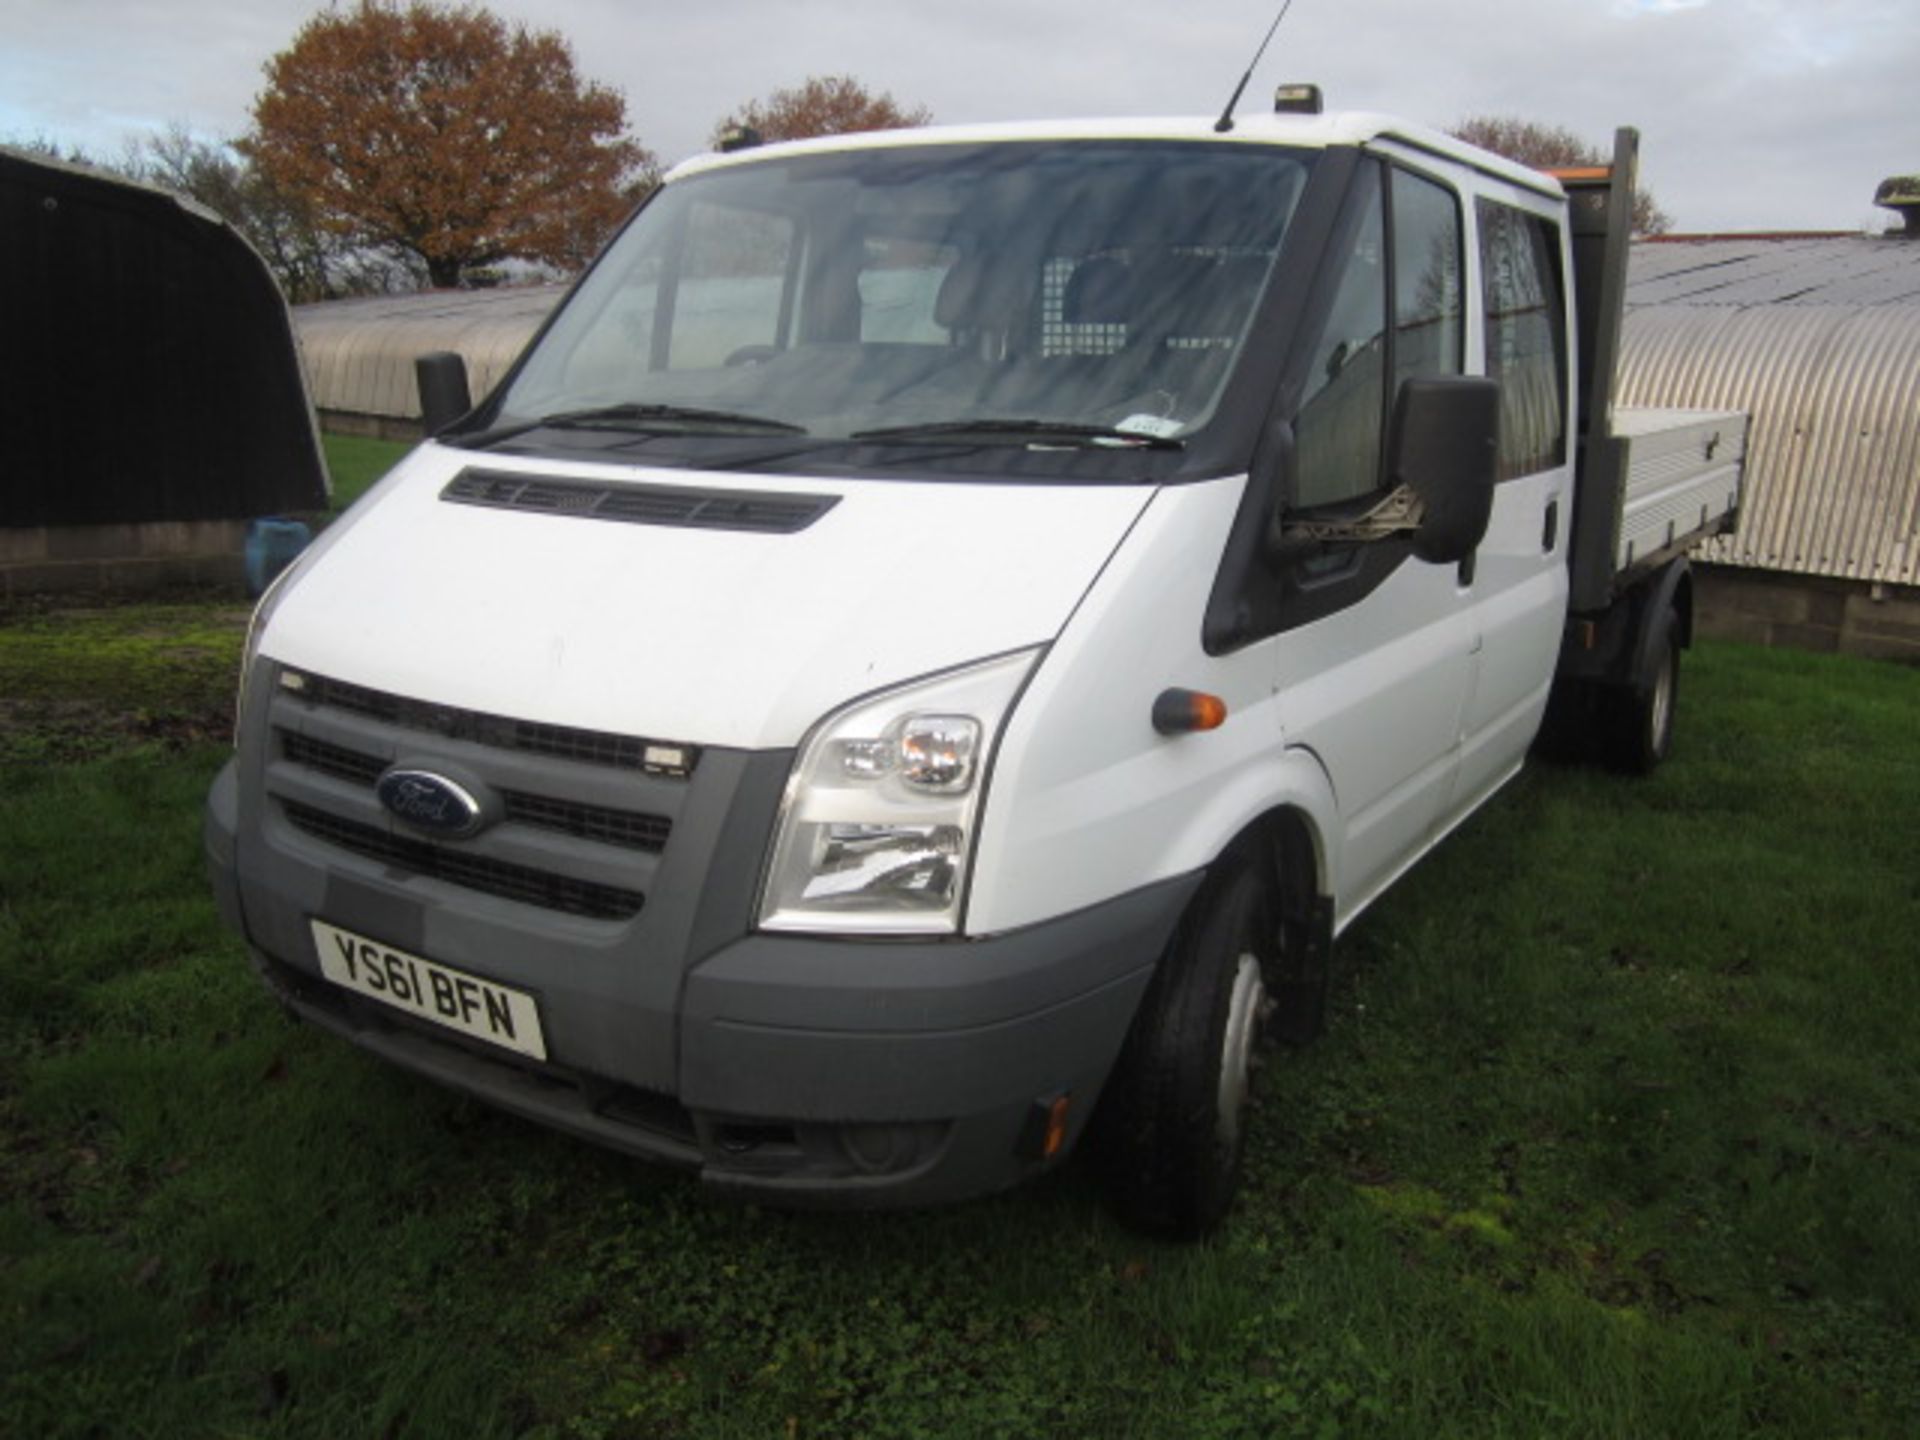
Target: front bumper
(805, 1070)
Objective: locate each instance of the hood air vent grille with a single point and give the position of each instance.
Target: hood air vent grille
(763, 511)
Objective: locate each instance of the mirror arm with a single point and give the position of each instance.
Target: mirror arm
(1275, 462)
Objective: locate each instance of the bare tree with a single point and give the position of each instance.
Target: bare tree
(1547, 147)
(309, 261)
(46, 147)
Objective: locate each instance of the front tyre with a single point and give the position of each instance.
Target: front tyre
(1176, 1134)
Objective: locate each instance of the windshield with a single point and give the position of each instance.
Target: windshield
(1049, 296)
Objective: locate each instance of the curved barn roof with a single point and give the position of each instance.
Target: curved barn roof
(1817, 337)
(359, 354)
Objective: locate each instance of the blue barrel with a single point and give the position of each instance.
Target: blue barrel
(272, 544)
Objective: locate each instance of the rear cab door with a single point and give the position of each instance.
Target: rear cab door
(1521, 327)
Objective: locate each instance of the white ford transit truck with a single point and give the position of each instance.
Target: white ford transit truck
(940, 631)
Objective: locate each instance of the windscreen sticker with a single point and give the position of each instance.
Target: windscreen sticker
(1156, 425)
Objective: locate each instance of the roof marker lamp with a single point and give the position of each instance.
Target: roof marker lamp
(1298, 100)
(881, 812)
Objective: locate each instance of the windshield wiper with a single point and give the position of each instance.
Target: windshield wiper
(618, 417)
(628, 415)
(1024, 432)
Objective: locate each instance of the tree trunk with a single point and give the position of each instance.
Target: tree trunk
(442, 273)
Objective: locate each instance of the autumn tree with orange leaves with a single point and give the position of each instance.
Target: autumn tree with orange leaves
(821, 105)
(447, 137)
(1549, 147)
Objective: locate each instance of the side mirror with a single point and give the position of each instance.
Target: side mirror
(444, 396)
(1445, 447)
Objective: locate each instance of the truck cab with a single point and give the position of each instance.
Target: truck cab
(928, 647)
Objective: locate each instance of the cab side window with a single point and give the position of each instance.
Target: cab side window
(1337, 432)
(1428, 328)
(1526, 320)
(1360, 359)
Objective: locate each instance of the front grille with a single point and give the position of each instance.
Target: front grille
(475, 872)
(762, 511)
(629, 829)
(335, 760)
(559, 742)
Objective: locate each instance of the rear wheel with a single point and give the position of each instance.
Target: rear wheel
(1176, 1134)
(1643, 724)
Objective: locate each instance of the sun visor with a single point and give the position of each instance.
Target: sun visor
(147, 361)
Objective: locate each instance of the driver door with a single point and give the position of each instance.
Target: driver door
(1375, 673)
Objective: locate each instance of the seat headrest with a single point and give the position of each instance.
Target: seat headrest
(976, 294)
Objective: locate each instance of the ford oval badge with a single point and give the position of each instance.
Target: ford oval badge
(430, 802)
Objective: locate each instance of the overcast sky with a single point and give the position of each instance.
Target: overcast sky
(1755, 114)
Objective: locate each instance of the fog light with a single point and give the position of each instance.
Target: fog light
(879, 1149)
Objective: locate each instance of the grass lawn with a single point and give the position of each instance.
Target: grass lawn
(1615, 1133)
(88, 679)
(355, 462)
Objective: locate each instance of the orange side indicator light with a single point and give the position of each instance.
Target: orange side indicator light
(1043, 1134)
(1176, 712)
(1056, 1127)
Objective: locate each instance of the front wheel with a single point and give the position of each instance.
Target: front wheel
(1176, 1135)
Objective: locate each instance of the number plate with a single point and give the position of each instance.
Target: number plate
(435, 992)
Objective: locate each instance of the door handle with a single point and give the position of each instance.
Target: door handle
(1550, 531)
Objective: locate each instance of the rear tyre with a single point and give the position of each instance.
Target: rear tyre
(1643, 727)
(1176, 1132)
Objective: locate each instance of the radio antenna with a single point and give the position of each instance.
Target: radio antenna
(1225, 122)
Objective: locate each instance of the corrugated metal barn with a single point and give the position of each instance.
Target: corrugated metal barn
(359, 354)
(1816, 336)
(1819, 339)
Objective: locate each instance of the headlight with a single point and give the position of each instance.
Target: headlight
(879, 821)
(257, 627)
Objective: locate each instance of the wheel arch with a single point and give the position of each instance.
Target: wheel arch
(1670, 590)
(1286, 843)
(1284, 802)
(1286, 846)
